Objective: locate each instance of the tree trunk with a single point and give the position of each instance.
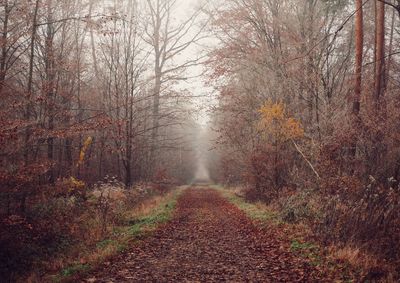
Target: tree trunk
(156, 121)
(50, 89)
(3, 59)
(389, 60)
(92, 43)
(28, 109)
(359, 44)
(359, 35)
(379, 108)
(379, 51)
(157, 88)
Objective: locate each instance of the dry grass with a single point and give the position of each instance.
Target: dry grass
(349, 259)
(134, 220)
(99, 254)
(351, 255)
(147, 206)
(372, 268)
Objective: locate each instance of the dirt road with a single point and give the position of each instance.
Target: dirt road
(209, 240)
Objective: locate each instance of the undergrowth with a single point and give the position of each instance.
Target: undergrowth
(256, 211)
(297, 235)
(135, 224)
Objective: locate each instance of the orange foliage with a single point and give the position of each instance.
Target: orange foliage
(275, 123)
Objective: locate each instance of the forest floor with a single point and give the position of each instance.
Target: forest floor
(209, 239)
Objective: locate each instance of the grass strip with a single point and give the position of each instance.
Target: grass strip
(138, 225)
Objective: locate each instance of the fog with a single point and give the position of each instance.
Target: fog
(202, 151)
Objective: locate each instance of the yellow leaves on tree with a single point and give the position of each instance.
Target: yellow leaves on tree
(276, 124)
(84, 148)
(75, 184)
(71, 186)
(294, 129)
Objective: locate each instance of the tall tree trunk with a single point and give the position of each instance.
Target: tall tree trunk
(389, 60)
(92, 43)
(359, 36)
(379, 108)
(359, 44)
(156, 121)
(28, 109)
(379, 51)
(157, 87)
(4, 39)
(50, 88)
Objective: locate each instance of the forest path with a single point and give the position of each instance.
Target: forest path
(208, 240)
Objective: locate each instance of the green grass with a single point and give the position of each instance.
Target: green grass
(255, 211)
(297, 245)
(104, 243)
(307, 250)
(160, 215)
(73, 269)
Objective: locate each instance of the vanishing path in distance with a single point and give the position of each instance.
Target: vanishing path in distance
(209, 239)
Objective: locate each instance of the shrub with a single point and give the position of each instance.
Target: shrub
(368, 218)
(299, 207)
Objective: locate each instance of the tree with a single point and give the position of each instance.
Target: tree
(359, 44)
(278, 129)
(392, 3)
(379, 51)
(168, 39)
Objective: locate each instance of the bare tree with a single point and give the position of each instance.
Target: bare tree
(29, 94)
(168, 39)
(379, 50)
(359, 32)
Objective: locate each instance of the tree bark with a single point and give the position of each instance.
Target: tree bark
(156, 21)
(359, 44)
(50, 88)
(389, 60)
(379, 51)
(28, 107)
(359, 38)
(3, 59)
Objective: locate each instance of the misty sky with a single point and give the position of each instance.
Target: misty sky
(196, 86)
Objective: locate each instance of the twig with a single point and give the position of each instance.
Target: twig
(305, 158)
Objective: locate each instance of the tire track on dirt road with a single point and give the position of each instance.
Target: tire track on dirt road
(208, 240)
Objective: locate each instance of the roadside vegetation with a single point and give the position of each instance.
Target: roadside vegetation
(307, 119)
(294, 101)
(83, 231)
(342, 262)
(94, 128)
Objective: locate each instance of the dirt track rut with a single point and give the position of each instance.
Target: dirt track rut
(208, 240)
